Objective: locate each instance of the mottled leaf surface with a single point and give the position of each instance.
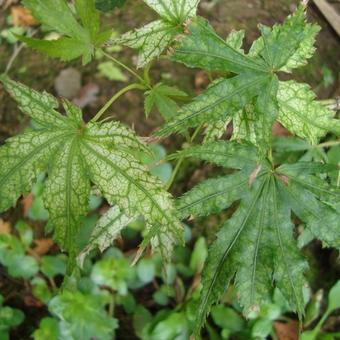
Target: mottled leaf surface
(152, 39)
(256, 247)
(74, 155)
(249, 93)
(302, 115)
(79, 37)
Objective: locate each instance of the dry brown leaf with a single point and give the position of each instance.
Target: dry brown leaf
(27, 203)
(21, 16)
(201, 80)
(8, 3)
(31, 301)
(287, 331)
(43, 246)
(87, 95)
(279, 130)
(5, 227)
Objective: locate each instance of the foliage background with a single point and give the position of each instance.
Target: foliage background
(155, 294)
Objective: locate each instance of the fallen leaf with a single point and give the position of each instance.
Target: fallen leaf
(21, 16)
(279, 130)
(31, 301)
(27, 203)
(287, 330)
(8, 3)
(87, 95)
(201, 80)
(5, 227)
(43, 246)
(68, 83)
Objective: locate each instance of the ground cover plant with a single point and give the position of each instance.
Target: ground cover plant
(273, 195)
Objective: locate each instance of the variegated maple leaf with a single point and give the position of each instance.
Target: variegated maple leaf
(152, 39)
(75, 155)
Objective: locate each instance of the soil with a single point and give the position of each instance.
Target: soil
(39, 72)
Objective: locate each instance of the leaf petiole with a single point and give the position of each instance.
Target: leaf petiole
(134, 86)
(127, 68)
(180, 161)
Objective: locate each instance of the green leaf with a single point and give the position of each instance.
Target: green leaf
(222, 99)
(113, 273)
(261, 329)
(10, 318)
(227, 318)
(334, 158)
(83, 316)
(313, 201)
(76, 154)
(152, 39)
(199, 255)
(23, 266)
(334, 297)
(302, 115)
(41, 290)
(252, 97)
(146, 270)
(137, 192)
(25, 233)
(254, 123)
(107, 229)
(203, 48)
(67, 192)
(108, 5)
(174, 10)
(52, 266)
(213, 195)
(79, 38)
(289, 45)
(253, 248)
(162, 96)
(109, 70)
(235, 40)
(48, 329)
(256, 247)
(141, 319)
(231, 155)
(175, 326)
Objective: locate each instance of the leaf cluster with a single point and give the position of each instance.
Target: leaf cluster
(79, 29)
(75, 155)
(250, 93)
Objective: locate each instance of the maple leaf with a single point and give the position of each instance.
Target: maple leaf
(79, 39)
(256, 248)
(253, 98)
(74, 155)
(163, 97)
(152, 39)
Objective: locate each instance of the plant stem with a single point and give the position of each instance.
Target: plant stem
(134, 86)
(181, 160)
(318, 327)
(127, 68)
(328, 144)
(17, 49)
(333, 104)
(147, 79)
(112, 305)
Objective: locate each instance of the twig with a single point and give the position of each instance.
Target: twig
(332, 104)
(130, 87)
(17, 49)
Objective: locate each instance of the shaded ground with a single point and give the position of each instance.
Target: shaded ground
(39, 72)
